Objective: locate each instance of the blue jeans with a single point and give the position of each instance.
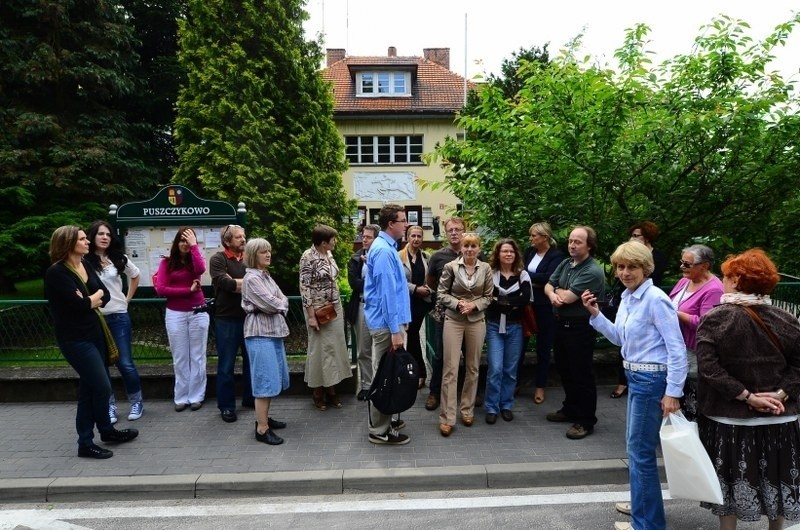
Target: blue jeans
(502, 357)
(87, 357)
(437, 363)
(120, 326)
(645, 391)
(230, 338)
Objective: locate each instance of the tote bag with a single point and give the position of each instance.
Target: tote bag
(690, 474)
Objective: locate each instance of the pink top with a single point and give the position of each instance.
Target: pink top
(176, 285)
(696, 304)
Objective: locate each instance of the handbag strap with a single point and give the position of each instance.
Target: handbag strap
(757, 320)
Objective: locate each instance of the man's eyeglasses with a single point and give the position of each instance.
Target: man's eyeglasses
(454, 230)
(400, 221)
(227, 229)
(687, 265)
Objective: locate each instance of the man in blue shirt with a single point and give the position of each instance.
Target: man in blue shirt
(387, 308)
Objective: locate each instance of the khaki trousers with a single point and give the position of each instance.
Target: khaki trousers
(472, 335)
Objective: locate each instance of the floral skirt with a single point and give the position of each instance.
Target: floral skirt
(758, 469)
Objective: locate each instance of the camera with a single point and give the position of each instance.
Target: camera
(208, 307)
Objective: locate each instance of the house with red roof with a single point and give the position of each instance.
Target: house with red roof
(390, 111)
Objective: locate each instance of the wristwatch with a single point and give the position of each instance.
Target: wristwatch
(783, 396)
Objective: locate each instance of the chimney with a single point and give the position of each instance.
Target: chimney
(392, 51)
(440, 56)
(335, 55)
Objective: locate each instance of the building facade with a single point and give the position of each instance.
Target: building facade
(391, 111)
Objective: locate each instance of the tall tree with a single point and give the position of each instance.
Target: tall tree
(67, 148)
(255, 122)
(705, 144)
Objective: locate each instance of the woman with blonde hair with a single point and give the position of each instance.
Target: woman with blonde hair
(646, 329)
(465, 291)
(748, 353)
(540, 261)
(415, 265)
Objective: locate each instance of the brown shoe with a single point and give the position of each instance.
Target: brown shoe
(578, 431)
(432, 403)
(445, 429)
(319, 399)
(467, 419)
(557, 416)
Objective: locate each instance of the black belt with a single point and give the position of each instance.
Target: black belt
(572, 319)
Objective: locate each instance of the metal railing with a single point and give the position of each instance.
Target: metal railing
(26, 329)
(27, 337)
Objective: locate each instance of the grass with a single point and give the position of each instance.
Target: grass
(27, 290)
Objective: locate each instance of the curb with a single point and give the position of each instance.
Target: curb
(226, 485)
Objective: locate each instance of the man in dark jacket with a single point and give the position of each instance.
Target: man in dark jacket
(355, 309)
(227, 270)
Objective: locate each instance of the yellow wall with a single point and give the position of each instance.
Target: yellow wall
(433, 131)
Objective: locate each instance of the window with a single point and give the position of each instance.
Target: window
(383, 83)
(383, 149)
(427, 217)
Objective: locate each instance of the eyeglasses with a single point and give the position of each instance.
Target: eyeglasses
(400, 221)
(227, 228)
(454, 230)
(686, 265)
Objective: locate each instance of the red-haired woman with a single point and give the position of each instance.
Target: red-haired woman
(748, 353)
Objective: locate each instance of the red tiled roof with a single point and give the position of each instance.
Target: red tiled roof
(435, 90)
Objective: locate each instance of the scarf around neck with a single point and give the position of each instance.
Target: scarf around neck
(745, 299)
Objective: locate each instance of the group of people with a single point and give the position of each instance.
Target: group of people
(716, 349)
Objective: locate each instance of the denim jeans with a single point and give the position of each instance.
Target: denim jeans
(502, 357)
(120, 326)
(573, 348)
(229, 335)
(87, 357)
(437, 363)
(645, 391)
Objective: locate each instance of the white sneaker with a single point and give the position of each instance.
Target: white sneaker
(136, 411)
(112, 413)
(623, 507)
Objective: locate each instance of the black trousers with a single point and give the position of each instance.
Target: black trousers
(573, 349)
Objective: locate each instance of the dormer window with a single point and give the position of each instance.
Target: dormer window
(383, 83)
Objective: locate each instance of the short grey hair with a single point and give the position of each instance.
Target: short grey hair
(251, 250)
(701, 253)
(375, 229)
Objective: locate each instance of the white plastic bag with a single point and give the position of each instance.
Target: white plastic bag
(690, 474)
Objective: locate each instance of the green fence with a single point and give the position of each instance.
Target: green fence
(26, 332)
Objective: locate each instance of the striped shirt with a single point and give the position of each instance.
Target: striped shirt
(264, 304)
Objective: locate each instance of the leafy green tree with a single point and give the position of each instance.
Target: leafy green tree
(705, 144)
(67, 146)
(255, 123)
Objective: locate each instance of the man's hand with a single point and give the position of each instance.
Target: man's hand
(397, 341)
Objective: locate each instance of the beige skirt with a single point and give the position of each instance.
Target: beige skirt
(326, 356)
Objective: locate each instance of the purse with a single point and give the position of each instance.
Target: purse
(325, 313)
(529, 326)
(690, 474)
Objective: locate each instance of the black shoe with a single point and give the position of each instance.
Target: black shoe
(362, 396)
(269, 437)
(276, 424)
(94, 451)
(119, 436)
(397, 424)
(507, 415)
(491, 418)
(196, 406)
(390, 438)
(578, 432)
(180, 407)
(228, 416)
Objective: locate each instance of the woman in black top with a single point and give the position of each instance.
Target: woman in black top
(415, 265)
(75, 293)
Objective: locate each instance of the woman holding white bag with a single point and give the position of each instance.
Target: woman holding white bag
(654, 358)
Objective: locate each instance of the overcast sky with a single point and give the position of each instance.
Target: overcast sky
(496, 28)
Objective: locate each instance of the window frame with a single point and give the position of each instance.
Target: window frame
(383, 83)
(384, 150)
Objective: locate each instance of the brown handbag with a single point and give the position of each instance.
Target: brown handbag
(529, 326)
(325, 313)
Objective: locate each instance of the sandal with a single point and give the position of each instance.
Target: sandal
(538, 396)
(333, 400)
(319, 401)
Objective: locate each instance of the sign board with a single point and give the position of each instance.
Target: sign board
(147, 228)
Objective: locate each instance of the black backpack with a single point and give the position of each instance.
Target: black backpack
(394, 386)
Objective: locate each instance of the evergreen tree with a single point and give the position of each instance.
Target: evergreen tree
(255, 123)
(67, 148)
